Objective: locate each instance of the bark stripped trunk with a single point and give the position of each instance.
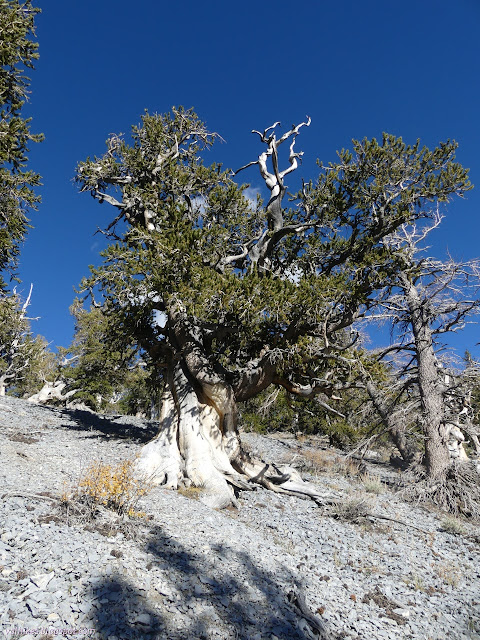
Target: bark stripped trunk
(437, 457)
(51, 391)
(201, 443)
(160, 461)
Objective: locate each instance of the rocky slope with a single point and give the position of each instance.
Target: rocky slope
(184, 571)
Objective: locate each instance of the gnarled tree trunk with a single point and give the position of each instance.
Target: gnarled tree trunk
(197, 446)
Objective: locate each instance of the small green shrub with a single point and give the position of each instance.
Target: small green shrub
(453, 525)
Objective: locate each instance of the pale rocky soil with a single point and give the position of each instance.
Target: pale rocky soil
(186, 572)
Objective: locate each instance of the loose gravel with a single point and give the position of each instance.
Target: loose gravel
(185, 571)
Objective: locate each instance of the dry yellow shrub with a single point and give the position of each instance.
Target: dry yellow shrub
(114, 486)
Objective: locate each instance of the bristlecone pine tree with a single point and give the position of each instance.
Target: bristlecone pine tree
(427, 299)
(226, 297)
(18, 53)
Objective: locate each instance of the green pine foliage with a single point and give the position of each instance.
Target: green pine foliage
(106, 376)
(18, 53)
(183, 237)
(304, 417)
(42, 366)
(139, 393)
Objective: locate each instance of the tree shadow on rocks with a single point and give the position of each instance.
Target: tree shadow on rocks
(221, 592)
(122, 611)
(117, 427)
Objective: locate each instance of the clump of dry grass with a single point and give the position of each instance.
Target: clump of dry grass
(453, 525)
(449, 573)
(317, 461)
(20, 437)
(320, 461)
(372, 484)
(190, 492)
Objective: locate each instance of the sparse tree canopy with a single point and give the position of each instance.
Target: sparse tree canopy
(18, 53)
(227, 297)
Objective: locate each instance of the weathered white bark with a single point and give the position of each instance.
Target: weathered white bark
(160, 460)
(51, 391)
(281, 479)
(195, 445)
(465, 422)
(259, 250)
(15, 350)
(455, 443)
(190, 446)
(473, 432)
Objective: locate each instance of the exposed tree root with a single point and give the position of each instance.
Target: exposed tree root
(404, 524)
(244, 473)
(280, 479)
(297, 599)
(458, 492)
(357, 510)
(23, 494)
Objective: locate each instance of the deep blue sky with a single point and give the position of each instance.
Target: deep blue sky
(410, 68)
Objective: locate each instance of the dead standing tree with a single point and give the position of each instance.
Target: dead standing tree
(247, 296)
(427, 299)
